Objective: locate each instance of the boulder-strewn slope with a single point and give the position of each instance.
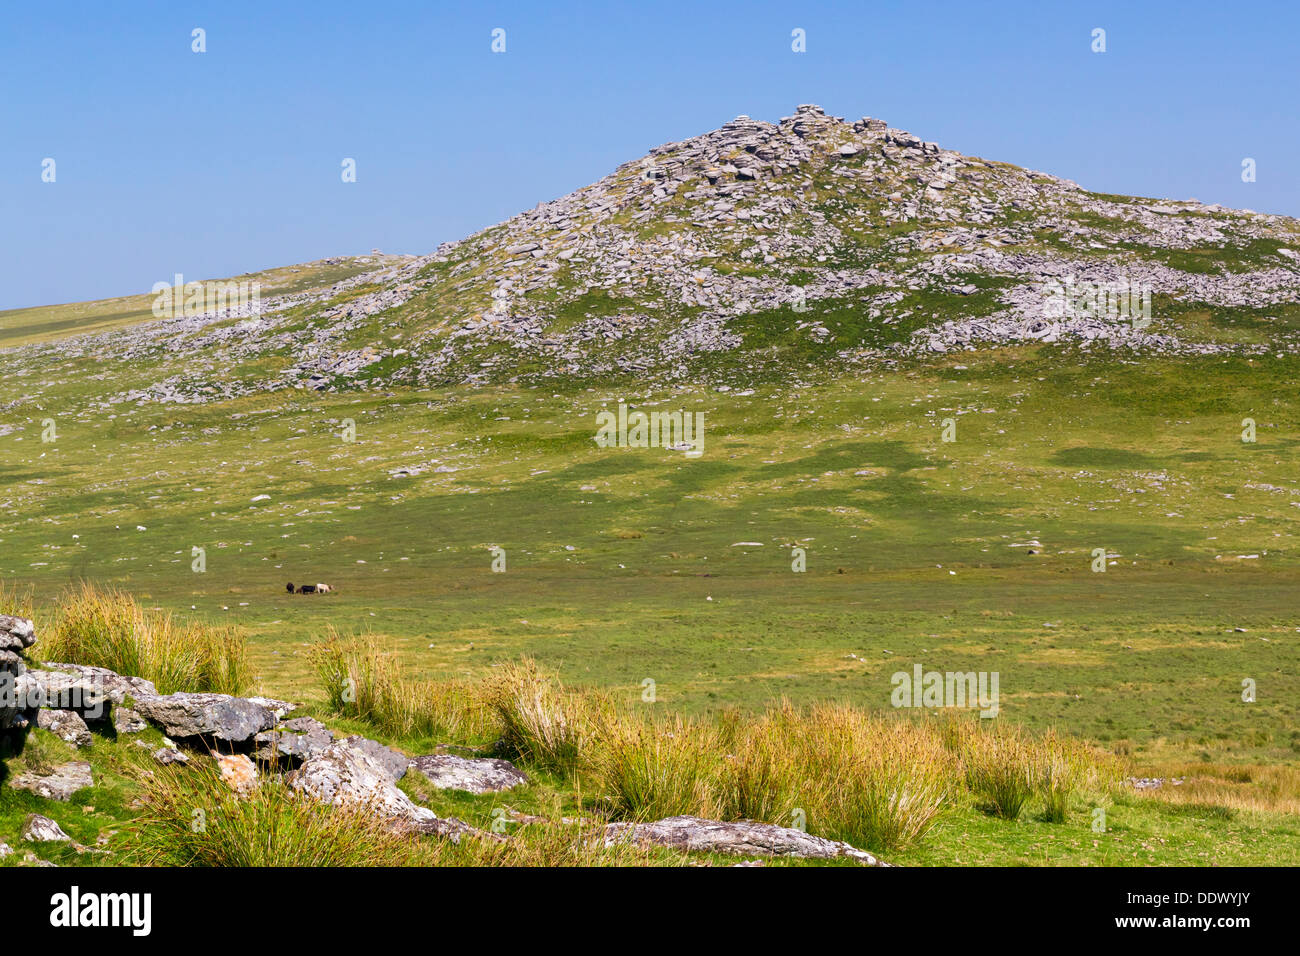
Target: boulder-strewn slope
(755, 249)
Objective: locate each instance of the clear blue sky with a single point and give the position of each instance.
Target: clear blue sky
(228, 161)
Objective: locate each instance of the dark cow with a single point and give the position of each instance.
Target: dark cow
(289, 587)
(307, 589)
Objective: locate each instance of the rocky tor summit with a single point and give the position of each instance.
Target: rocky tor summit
(813, 242)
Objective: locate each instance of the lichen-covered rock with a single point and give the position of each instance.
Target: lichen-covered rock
(278, 707)
(742, 837)
(237, 772)
(295, 739)
(39, 829)
(347, 776)
(59, 783)
(231, 719)
(90, 691)
(169, 755)
(344, 775)
(482, 775)
(127, 721)
(16, 633)
(393, 762)
(20, 698)
(67, 725)
(116, 686)
(63, 691)
(451, 828)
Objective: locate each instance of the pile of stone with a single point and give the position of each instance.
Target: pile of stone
(16, 635)
(247, 736)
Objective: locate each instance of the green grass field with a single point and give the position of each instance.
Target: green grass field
(624, 565)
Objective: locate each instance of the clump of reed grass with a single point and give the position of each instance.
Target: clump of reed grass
(540, 721)
(1006, 768)
(835, 770)
(104, 627)
(759, 780)
(190, 817)
(1000, 769)
(875, 781)
(15, 601)
(363, 682)
(653, 769)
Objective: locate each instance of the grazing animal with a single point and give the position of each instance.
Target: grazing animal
(323, 589)
(307, 589)
(289, 587)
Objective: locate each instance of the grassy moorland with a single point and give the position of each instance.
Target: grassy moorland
(624, 565)
(920, 789)
(854, 471)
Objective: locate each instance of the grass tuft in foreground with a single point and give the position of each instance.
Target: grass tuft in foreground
(189, 817)
(15, 600)
(876, 780)
(541, 722)
(362, 682)
(649, 770)
(1006, 768)
(108, 628)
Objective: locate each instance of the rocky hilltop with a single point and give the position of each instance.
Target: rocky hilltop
(756, 249)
